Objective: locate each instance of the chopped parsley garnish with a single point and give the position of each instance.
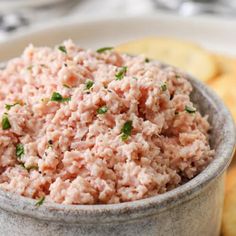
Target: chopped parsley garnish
(66, 99)
(190, 109)
(57, 97)
(66, 86)
(62, 48)
(19, 150)
(102, 110)
(32, 168)
(147, 60)
(22, 165)
(29, 67)
(126, 130)
(135, 78)
(89, 84)
(40, 201)
(101, 50)
(177, 76)
(9, 106)
(121, 73)
(28, 168)
(164, 87)
(5, 122)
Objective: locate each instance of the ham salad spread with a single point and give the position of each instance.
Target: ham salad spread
(96, 127)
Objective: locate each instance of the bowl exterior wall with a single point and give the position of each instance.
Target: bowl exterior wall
(200, 215)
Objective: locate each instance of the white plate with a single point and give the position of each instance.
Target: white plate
(216, 34)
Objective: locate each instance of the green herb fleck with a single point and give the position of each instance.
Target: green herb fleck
(102, 110)
(19, 150)
(31, 168)
(89, 84)
(66, 99)
(126, 130)
(57, 97)
(22, 165)
(40, 201)
(135, 78)
(9, 106)
(164, 87)
(190, 109)
(101, 50)
(66, 86)
(121, 73)
(62, 48)
(147, 60)
(5, 122)
(29, 67)
(177, 76)
(43, 65)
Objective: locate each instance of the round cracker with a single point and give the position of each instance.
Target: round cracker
(229, 211)
(184, 55)
(230, 179)
(226, 64)
(224, 86)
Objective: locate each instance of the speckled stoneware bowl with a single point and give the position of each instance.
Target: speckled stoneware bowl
(192, 209)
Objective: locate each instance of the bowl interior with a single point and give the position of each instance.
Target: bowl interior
(222, 139)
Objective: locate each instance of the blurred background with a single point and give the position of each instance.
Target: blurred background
(16, 15)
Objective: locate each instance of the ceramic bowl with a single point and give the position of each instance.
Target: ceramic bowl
(194, 208)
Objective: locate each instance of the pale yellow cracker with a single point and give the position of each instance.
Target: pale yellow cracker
(187, 56)
(229, 212)
(224, 85)
(226, 64)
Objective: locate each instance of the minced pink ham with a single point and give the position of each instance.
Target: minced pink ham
(85, 127)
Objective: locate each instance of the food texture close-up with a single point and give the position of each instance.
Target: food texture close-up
(117, 118)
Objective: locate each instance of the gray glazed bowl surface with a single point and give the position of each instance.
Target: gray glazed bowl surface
(194, 208)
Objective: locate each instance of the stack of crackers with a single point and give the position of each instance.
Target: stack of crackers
(218, 71)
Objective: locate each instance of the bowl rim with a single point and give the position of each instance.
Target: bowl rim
(105, 213)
